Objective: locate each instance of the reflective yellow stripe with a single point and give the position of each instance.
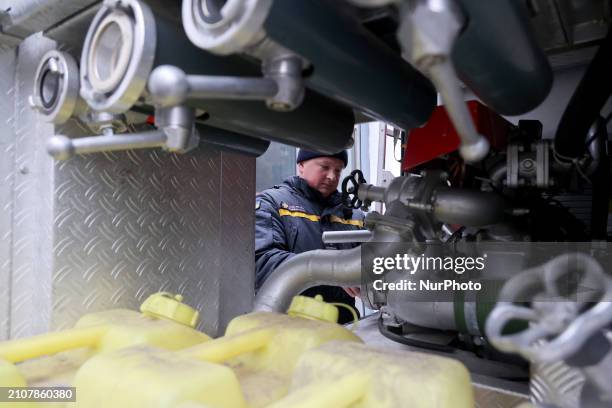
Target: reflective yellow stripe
(357, 223)
(311, 217)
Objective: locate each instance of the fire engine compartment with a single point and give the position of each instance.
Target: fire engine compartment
(132, 127)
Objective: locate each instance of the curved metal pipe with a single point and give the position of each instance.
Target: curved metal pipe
(305, 270)
(598, 171)
(596, 140)
(586, 102)
(318, 267)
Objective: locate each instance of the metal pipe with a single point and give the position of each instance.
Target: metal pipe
(343, 237)
(150, 40)
(599, 172)
(305, 270)
(467, 207)
(498, 174)
(595, 143)
(371, 192)
(373, 3)
(232, 141)
(583, 108)
(318, 124)
(318, 267)
(497, 56)
(344, 55)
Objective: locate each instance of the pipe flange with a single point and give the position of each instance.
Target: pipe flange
(118, 55)
(110, 51)
(224, 26)
(56, 87)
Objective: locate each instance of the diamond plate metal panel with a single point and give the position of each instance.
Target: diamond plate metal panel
(238, 234)
(104, 231)
(130, 224)
(491, 397)
(7, 145)
(556, 384)
(24, 17)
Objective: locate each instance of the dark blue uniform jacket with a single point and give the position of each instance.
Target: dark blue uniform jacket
(289, 219)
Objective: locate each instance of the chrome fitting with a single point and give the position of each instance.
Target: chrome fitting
(224, 27)
(118, 55)
(56, 88)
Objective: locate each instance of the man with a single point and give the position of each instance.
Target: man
(290, 218)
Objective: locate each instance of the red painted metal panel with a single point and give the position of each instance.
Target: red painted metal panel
(439, 137)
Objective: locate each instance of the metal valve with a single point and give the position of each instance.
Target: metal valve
(560, 323)
(350, 192)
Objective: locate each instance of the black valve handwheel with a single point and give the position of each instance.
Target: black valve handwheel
(349, 193)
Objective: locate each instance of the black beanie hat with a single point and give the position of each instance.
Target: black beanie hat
(308, 154)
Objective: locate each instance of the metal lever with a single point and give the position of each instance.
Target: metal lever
(427, 34)
(62, 147)
(282, 87)
(176, 134)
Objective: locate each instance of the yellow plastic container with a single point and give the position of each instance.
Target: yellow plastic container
(273, 360)
(263, 360)
(53, 358)
(340, 374)
(250, 366)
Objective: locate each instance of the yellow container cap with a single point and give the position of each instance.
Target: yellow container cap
(166, 305)
(313, 308)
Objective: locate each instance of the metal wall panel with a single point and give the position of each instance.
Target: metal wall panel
(238, 235)
(7, 145)
(130, 224)
(104, 231)
(24, 17)
(32, 202)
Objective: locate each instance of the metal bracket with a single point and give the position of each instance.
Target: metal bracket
(512, 166)
(543, 164)
(528, 167)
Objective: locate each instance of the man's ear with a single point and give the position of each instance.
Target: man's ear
(300, 168)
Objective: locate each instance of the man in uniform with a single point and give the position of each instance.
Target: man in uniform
(291, 217)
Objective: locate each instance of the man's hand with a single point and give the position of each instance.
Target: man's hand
(353, 292)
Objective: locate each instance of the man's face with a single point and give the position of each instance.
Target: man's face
(322, 173)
